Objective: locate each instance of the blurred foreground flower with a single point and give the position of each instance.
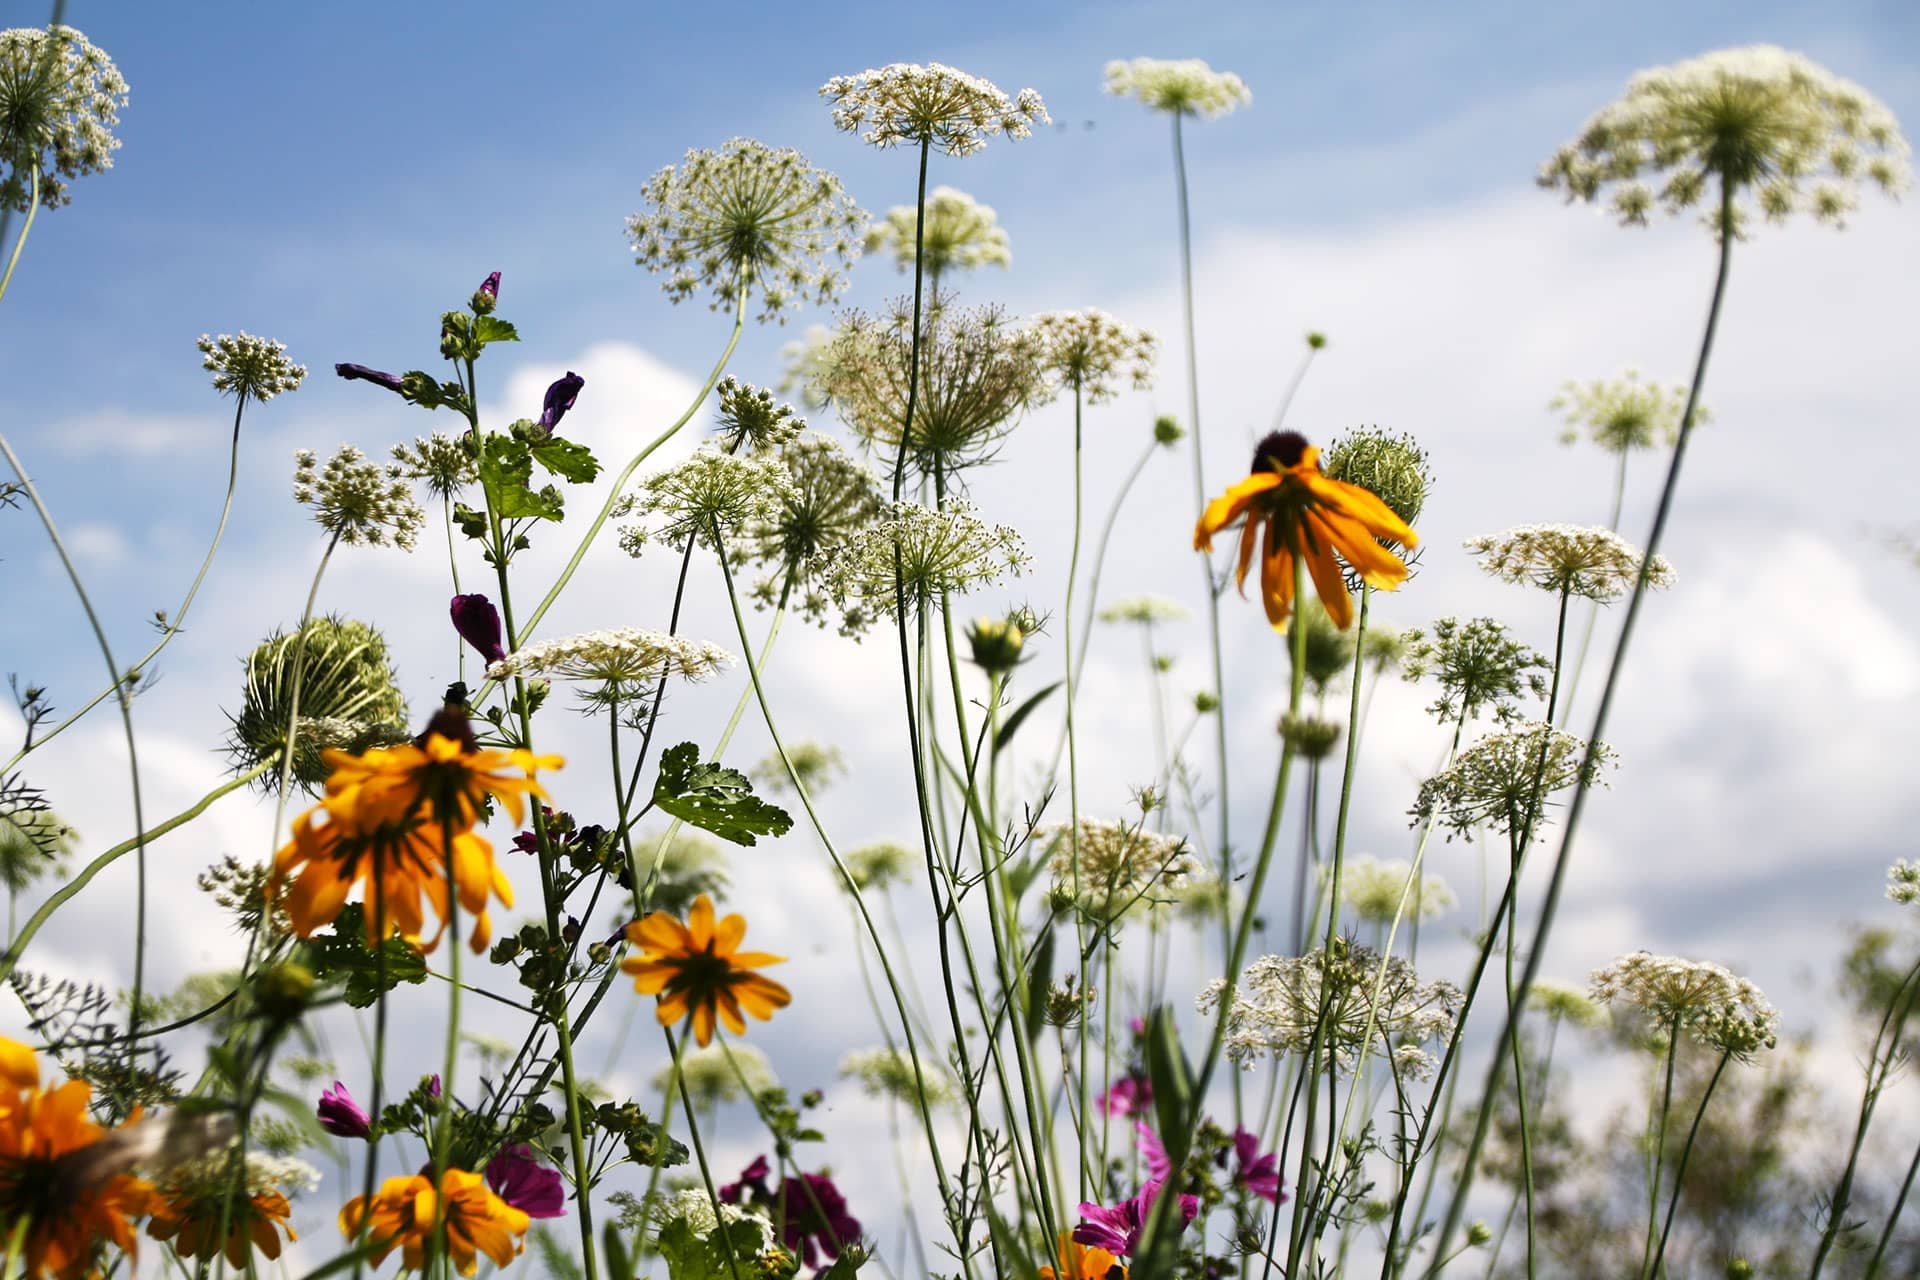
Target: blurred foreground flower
(1178, 86)
(957, 233)
(411, 1213)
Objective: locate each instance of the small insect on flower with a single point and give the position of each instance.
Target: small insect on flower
(413, 1215)
(1178, 86)
(933, 105)
(1307, 517)
(699, 973)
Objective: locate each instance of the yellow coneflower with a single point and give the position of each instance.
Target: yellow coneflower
(406, 1213)
(398, 863)
(1310, 516)
(447, 779)
(188, 1214)
(1084, 1262)
(697, 969)
(69, 1210)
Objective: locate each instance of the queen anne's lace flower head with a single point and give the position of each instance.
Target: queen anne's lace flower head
(1772, 126)
(444, 463)
(1592, 563)
(1478, 666)
(248, 367)
(1146, 611)
(1502, 781)
(833, 497)
(881, 865)
(622, 654)
(1903, 882)
(359, 502)
(713, 1075)
(889, 1073)
(1565, 1002)
(1120, 865)
(1179, 86)
(1717, 1007)
(748, 215)
(934, 104)
(958, 234)
(710, 494)
(935, 553)
(1372, 890)
(1624, 413)
(1278, 1005)
(59, 100)
(1092, 351)
(750, 421)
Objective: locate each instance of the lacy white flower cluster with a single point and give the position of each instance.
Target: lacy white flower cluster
(714, 1075)
(1095, 353)
(444, 463)
(1501, 783)
(1373, 890)
(1121, 864)
(1566, 1002)
(1592, 563)
(1478, 666)
(748, 216)
(880, 865)
(1278, 1004)
(1183, 86)
(815, 764)
(924, 554)
(695, 1208)
(246, 366)
(1624, 413)
(889, 1073)
(210, 1175)
(710, 495)
(934, 104)
(1145, 610)
(834, 497)
(359, 502)
(1714, 1005)
(59, 100)
(1757, 119)
(1903, 881)
(619, 655)
(750, 421)
(957, 233)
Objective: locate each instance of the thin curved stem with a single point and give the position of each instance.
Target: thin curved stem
(1680, 1170)
(33, 207)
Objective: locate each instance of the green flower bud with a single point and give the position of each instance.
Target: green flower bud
(283, 990)
(1387, 464)
(1316, 340)
(1478, 1233)
(1310, 737)
(349, 699)
(1167, 430)
(1205, 703)
(996, 644)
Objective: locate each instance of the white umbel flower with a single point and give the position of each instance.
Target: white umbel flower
(1592, 563)
(619, 655)
(941, 552)
(359, 502)
(889, 1073)
(1145, 611)
(1624, 413)
(249, 367)
(1717, 1007)
(59, 100)
(948, 110)
(1178, 86)
(1775, 128)
(1120, 865)
(1095, 353)
(1372, 890)
(958, 234)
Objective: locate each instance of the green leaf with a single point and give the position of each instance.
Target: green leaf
(343, 955)
(1019, 716)
(619, 1261)
(506, 472)
(493, 329)
(693, 1257)
(568, 459)
(715, 798)
(1037, 979)
(1172, 1078)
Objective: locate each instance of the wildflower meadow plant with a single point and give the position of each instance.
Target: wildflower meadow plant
(1079, 1011)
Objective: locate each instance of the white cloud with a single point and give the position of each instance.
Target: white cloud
(115, 430)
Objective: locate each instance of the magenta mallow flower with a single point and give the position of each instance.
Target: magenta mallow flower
(478, 623)
(360, 373)
(816, 1215)
(1130, 1095)
(1117, 1230)
(517, 1176)
(491, 287)
(340, 1115)
(752, 1179)
(1254, 1172)
(560, 398)
(1154, 1152)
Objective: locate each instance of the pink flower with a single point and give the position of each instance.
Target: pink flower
(517, 1176)
(1254, 1172)
(1154, 1152)
(1130, 1095)
(478, 623)
(1117, 1230)
(340, 1115)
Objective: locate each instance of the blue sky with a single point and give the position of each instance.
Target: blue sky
(334, 176)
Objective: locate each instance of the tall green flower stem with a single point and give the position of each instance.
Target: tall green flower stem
(699, 1149)
(175, 621)
(12, 956)
(1893, 1217)
(284, 785)
(1887, 1053)
(853, 888)
(1073, 786)
(1536, 952)
(1593, 610)
(33, 207)
(1680, 1169)
(1157, 1243)
(1544, 1074)
(1657, 1147)
(123, 690)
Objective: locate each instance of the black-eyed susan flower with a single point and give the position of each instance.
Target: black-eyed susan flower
(698, 971)
(407, 1212)
(1309, 516)
(71, 1204)
(191, 1203)
(444, 778)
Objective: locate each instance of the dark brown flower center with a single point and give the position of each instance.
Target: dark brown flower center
(1279, 450)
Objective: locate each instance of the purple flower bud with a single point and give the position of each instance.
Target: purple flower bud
(433, 1086)
(560, 398)
(491, 285)
(340, 1115)
(517, 1176)
(360, 372)
(478, 623)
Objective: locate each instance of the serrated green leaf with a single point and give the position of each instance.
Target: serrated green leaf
(568, 459)
(506, 472)
(715, 798)
(493, 329)
(343, 956)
